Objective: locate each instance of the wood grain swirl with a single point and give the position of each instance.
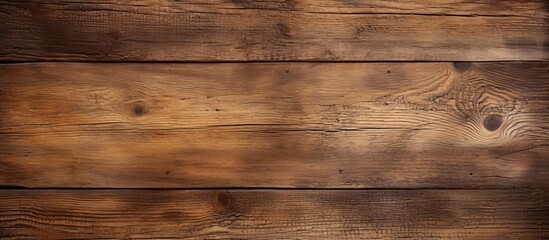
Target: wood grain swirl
(304, 30)
(396, 125)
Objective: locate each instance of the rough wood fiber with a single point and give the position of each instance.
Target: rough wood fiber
(215, 30)
(274, 214)
(274, 125)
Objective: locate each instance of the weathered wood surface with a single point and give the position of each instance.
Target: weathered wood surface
(312, 30)
(274, 214)
(351, 125)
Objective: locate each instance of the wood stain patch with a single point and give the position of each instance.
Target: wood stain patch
(222, 200)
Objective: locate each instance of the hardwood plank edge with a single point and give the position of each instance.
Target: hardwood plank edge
(264, 214)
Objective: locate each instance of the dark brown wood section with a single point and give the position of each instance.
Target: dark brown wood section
(274, 119)
(274, 214)
(289, 30)
(275, 125)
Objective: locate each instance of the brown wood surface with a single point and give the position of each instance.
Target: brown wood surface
(274, 214)
(274, 119)
(312, 30)
(396, 125)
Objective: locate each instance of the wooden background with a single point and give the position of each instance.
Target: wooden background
(283, 119)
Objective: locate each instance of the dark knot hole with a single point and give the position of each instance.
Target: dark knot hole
(139, 110)
(493, 122)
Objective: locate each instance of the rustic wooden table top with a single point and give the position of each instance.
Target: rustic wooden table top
(282, 119)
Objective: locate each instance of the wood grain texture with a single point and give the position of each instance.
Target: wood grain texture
(274, 214)
(242, 30)
(396, 125)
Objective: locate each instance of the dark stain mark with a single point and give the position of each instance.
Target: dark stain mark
(287, 71)
(388, 71)
(115, 36)
(340, 171)
(462, 67)
(173, 217)
(217, 110)
(167, 173)
(471, 174)
(284, 29)
(492, 122)
(221, 200)
(37, 12)
(139, 110)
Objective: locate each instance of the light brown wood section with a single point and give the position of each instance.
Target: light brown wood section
(274, 214)
(397, 125)
(312, 30)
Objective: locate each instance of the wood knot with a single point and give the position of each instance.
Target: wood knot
(492, 122)
(221, 200)
(139, 110)
(462, 67)
(284, 29)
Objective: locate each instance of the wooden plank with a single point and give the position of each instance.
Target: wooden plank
(351, 125)
(311, 30)
(278, 214)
